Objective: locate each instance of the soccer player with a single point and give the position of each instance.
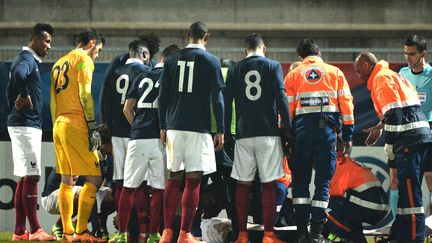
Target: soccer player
(24, 123)
(256, 85)
(191, 77)
(75, 133)
(113, 96)
(407, 139)
(145, 159)
(104, 199)
(319, 97)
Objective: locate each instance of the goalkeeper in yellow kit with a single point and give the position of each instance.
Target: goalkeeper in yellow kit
(74, 133)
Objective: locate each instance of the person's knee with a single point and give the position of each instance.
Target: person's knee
(95, 180)
(68, 180)
(34, 178)
(246, 183)
(178, 175)
(194, 175)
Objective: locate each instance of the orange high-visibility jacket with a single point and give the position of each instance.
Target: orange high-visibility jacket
(351, 175)
(398, 106)
(315, 87)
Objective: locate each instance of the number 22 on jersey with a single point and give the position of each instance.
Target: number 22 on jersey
(150, 85)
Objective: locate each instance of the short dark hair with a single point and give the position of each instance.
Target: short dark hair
(226, 63)
(102, 39)
(307, 47)
(133, 46)
(171, 49)
(90, 34)
(39, 29)
(152, 42)
(197, 30)
(253, 41)
(418, 41)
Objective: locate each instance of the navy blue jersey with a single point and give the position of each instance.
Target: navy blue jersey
(145, 89)
(108, 87)
(256, 85)
(191, 77)
(25, 79)
(114, 96)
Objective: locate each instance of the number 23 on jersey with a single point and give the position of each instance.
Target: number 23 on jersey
(60, 76)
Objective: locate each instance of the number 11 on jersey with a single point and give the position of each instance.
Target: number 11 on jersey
(183, 65)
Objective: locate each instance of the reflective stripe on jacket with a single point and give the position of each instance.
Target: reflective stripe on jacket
(315, 87)
(398, 106)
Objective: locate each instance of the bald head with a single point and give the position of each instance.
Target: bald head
(367, 56)
(364, 64)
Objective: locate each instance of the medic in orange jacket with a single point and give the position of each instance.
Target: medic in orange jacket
(350, 175)
(356, 197)
(315, 87)
(397, 104)
(407, 139)
(319, 98)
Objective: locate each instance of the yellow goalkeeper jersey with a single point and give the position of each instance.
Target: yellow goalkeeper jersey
(71, 99)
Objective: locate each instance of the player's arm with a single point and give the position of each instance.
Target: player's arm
(84, 85)
(105, 98)
(163, 100)
(286, 134)
(280, 96)
(84, 75)
(131, 100)
(228, 97)
(218, 104)
(53, 101)
(21, 72)
(128, 109)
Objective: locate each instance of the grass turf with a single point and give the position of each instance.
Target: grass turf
(7, 236)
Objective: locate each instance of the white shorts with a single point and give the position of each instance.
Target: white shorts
(264, 153)
(50, 202)
(145, 161)
(26, 150)
(120, 146)
(190, 151)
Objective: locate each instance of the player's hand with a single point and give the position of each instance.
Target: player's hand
(287, 140)
(388, 149)
(218, 141)
(94, 137)
(373, 136)
(347, 147)
(23, 102)
(163, 136)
